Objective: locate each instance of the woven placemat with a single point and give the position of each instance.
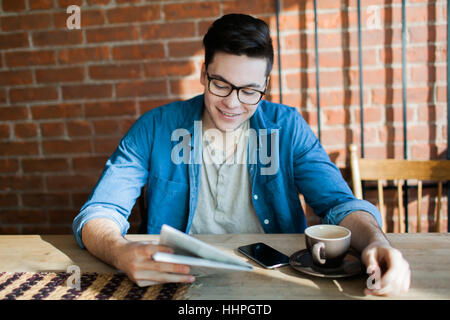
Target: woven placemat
(93, 286)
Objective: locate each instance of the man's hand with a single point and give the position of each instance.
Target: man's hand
(388, 263)
(378, 255)
(135, 259)
(103, 239)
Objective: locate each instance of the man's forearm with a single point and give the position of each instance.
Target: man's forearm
(365, 229)
(102, 237)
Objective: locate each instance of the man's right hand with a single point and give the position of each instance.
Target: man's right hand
(135, 259)
(103, 239)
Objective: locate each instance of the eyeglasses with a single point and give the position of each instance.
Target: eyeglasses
(222, 88)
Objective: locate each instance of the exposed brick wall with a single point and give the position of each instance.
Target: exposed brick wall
(67, 96)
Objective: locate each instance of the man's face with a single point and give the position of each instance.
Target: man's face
(241, 71)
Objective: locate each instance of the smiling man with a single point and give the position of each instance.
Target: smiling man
(225, 185)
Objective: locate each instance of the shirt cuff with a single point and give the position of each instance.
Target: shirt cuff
(339, 212)
(95, 212)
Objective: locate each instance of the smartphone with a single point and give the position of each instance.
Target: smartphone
(265, 255)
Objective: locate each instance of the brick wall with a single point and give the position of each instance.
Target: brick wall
(67, 96)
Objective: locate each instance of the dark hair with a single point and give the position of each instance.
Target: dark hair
(239, 34)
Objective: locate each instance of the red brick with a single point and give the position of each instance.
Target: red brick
(191, 86)
(126, 124)
(88, 18)
(60, 75)
(2, 96)
(186, 49)
(14, 40)
(13, 113)
(45, 165)
(105, 145)
(56, 111)
(123, 33)
(78, 128)
(87, 91)
(168, 30)
(92, 163)
(25, 130)
(138, 52)
(66, 146)
(16, 77)
(33, 94)
(13, 5)
(251, 7)
(57, 38)
(191, 10)
(8, 200)
(78, 199)
(52, 129)
(431, 113)
(41, 4)
(62, 216)
(113, 71)
(71, 182)
(141, 88)
(5, 131)
(18, 148)
(65, 3)
(106, 127)
(110, 109)
(12, 183)
(22, 216)
(29, 58)
(26, 22)
(147, 105)
(99, 2)
(72, 56)
(134, 14)
(9, 165)
(370, 114)
(42, 200)
(340, 116)
(169, 68)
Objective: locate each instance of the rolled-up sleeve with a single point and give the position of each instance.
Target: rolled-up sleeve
(94, 212)
(339, 212)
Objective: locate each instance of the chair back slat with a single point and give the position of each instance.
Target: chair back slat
(381, 204)
(400, 205)
(438, 213)
(419, 206)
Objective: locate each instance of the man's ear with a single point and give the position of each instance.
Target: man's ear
(203, 74)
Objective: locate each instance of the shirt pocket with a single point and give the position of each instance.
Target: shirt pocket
(168, 202)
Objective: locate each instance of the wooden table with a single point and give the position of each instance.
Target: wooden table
(428, 255)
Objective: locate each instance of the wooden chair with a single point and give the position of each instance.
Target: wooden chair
(399, 170)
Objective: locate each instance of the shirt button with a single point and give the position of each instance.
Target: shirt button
(266, 221)
(255, 197)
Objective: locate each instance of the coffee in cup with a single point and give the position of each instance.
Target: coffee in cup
(327, 244)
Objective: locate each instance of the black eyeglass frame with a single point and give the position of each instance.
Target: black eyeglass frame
(233, 87)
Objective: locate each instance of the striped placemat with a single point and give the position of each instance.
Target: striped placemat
(93, 286)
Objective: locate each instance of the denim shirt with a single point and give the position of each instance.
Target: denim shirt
(145, 155)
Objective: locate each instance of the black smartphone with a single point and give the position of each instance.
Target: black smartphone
(265, 255)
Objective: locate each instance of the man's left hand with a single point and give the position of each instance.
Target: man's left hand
(387, 262)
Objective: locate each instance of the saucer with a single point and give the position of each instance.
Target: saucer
(302, 261)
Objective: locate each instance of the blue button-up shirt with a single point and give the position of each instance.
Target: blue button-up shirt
(145, 155)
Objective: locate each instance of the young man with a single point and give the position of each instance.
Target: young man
(207, 168)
